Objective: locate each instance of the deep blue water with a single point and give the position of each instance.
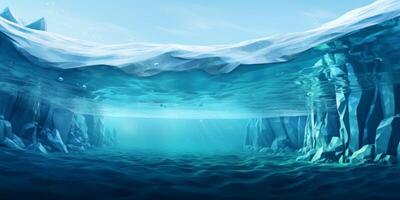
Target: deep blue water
(123, 174)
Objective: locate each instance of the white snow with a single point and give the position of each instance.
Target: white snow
(144, 59)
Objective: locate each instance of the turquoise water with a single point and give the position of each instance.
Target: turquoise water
(135, 174)
(183, 147)
(267, 77)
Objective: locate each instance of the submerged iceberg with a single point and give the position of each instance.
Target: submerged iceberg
(328, 92)
(241, 80)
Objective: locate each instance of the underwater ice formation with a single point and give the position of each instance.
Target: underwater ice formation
(30, 123)
(243, 80)
(363, 68)
(340, 81)
(276, 134)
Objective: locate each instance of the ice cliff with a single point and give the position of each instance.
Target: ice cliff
(362, 70)
(30, 123)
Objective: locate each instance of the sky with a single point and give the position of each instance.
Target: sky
(192, 22)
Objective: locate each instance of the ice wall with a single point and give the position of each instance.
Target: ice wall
(28, 122)
(275, 134)
(363, 68)
(32, 124)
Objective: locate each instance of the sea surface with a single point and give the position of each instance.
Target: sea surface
(130, 174)
(282, 75)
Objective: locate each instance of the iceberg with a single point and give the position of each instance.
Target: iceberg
(331, 90)
(288, 117)
(242, 80)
